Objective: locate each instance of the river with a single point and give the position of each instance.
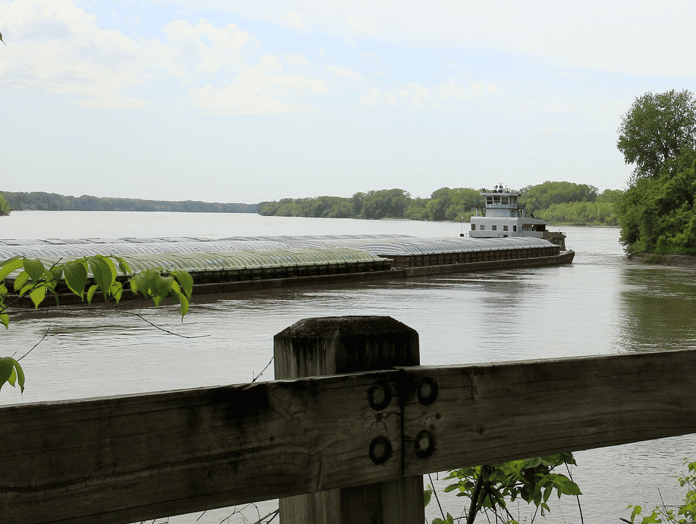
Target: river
(600, 304)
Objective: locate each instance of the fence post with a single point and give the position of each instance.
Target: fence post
(338, 345)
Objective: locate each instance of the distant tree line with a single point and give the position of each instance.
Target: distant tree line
(54, 202)
(4, 206)
(563, 202)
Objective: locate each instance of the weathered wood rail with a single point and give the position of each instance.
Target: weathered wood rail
(360, 441)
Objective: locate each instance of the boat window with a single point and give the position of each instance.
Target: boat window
(513, 200)
(496, 200)
(489, 200)
(494, 228)
(505, 228)
(505, 200)
(514, 228)
(473, 227)
(483, 227)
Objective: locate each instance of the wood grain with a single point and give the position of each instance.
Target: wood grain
(131, 458)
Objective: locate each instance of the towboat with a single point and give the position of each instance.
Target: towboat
(504, 216)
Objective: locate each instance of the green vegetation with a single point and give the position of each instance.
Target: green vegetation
(490, 488)
(657, 213)
(656, 130)
(687, 510)
(4, 206)
(556, 199)
(36, 280)
(55, 202)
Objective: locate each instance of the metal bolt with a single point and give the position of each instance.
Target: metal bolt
(424, 444)
(379, 395)
(427, 391)
(380, 450)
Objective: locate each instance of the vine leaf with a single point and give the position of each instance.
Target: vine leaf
(11, 371)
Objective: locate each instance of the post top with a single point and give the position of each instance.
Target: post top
(330, 327)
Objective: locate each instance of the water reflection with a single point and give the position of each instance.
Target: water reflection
(658, 308)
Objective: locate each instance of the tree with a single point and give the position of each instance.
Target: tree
(656, 129)
(543, 196)
(659, 215)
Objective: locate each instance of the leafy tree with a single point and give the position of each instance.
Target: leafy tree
(450, 204)
(34, 279)
(656, 129)
(385, 203)
(4, 206)
(544, 195)
(659, 215)
(609, 196)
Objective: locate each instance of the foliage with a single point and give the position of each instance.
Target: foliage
(544, 195)
(687, 511)
(657, 129)
(4, 206)
(659, 215)
(450, 204)
(490, 488)
(580, 213)
(55, 202)
(34, 279)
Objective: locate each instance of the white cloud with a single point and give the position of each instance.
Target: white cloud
(371, 98)
(343, 72)
(259, 89)
(294, 20)
(371, 57)
(362, 24)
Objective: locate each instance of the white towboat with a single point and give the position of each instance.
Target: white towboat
(503, 216)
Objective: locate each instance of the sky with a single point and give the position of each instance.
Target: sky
(248, 100)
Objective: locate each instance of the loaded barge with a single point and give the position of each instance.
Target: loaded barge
(503, 238)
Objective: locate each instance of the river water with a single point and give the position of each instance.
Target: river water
(601, 304)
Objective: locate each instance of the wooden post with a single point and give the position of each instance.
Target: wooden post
(339, 345)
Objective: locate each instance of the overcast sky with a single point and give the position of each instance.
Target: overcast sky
(250, 100)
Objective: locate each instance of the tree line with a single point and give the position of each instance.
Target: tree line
(54, 202)
(566, 202)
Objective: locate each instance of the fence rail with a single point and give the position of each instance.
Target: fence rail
(136, 457)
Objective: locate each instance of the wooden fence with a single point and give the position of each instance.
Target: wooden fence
(349, 446)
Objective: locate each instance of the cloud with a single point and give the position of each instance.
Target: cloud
(294, 20)
(58, 47)
(417, 96)
(342, 72)
(259, 89)
(362, 24)
(371, 98)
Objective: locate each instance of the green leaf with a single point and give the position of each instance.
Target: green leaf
(21, 280)
(185, 280)
(6, 369)
(35, 268)
(123, 265)
(5, 320)
(11, 371)
(104, 273)
(427, 495)
(37, 295)
(90, 292)
(76, 277)
(116, 291)
(8, 266)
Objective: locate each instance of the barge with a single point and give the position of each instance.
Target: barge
(252, 263)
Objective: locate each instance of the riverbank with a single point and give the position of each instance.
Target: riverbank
(672, 259)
